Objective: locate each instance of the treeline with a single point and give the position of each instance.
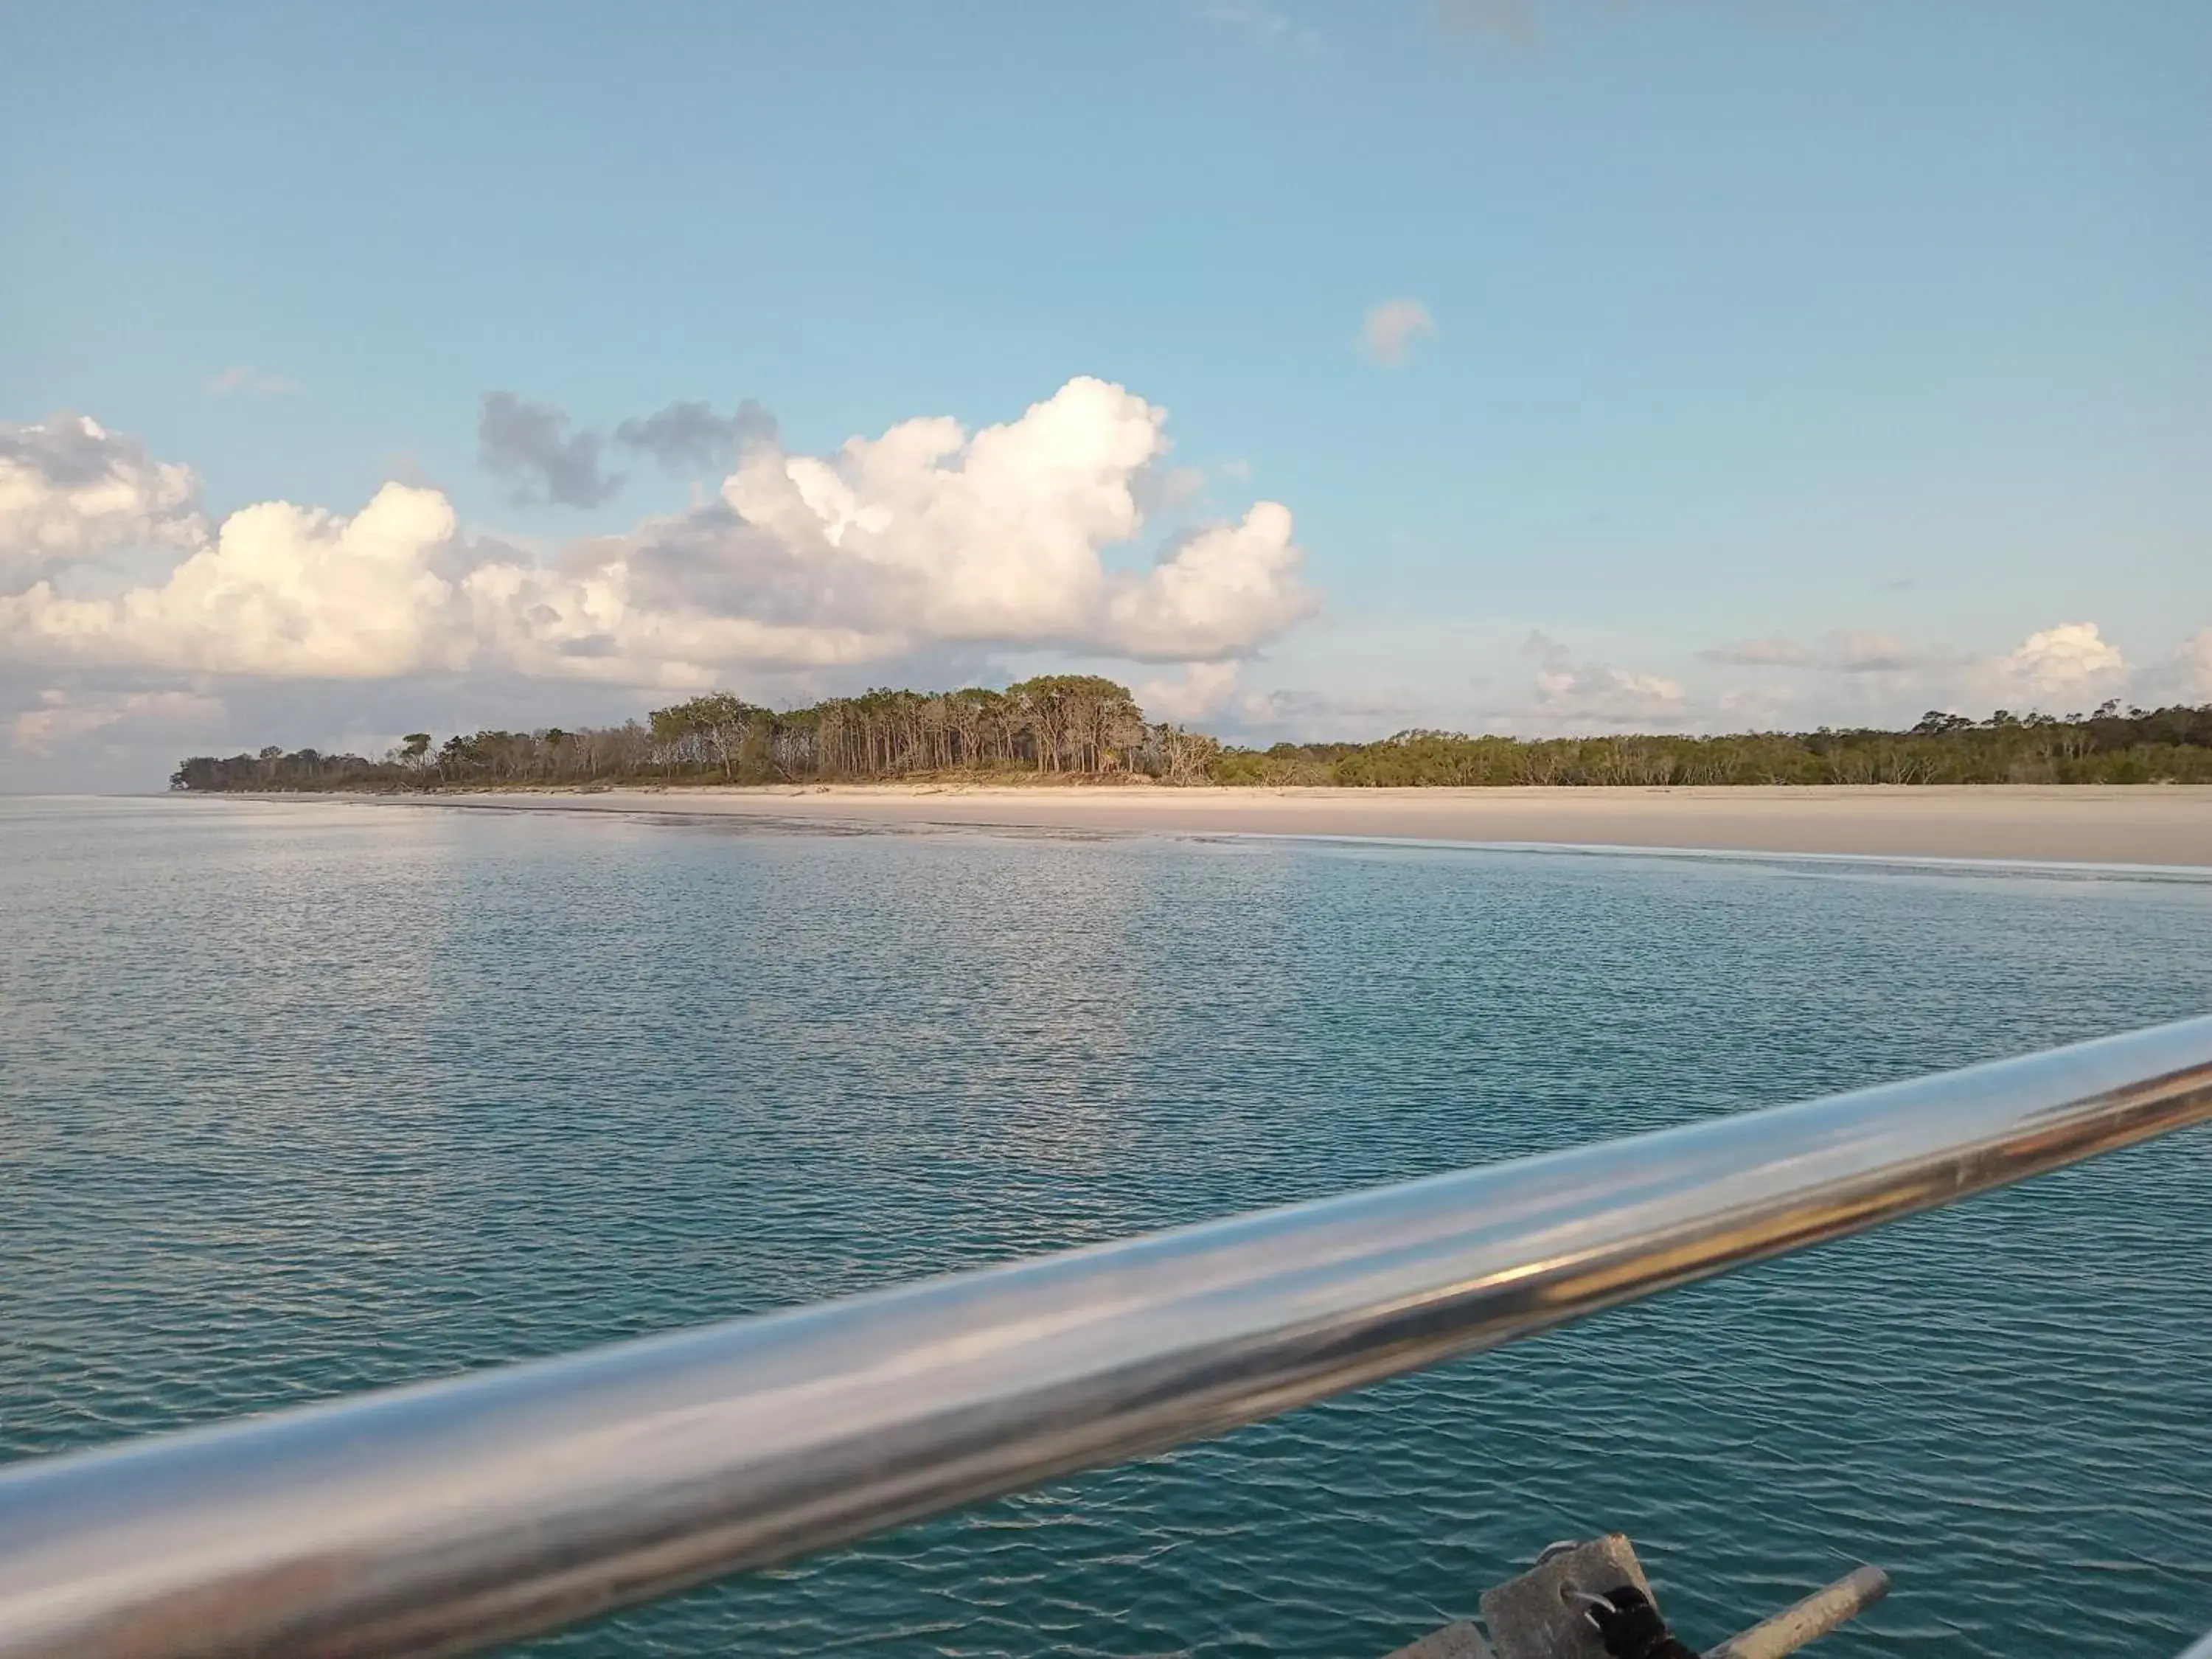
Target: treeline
(1079, 726)
(2160, 746)
(1060, 726)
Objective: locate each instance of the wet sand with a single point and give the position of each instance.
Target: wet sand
(2152, 825)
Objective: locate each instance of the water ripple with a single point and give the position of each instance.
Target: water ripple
(301, 1100)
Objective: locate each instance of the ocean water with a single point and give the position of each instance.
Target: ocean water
(297, 1099)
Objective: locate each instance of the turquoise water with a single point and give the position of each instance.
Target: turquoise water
(298, 1099)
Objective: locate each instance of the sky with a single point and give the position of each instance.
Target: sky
(1320, 371)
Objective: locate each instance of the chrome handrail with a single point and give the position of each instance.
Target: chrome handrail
(442, 1518)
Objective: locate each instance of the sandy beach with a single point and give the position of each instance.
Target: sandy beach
(2152, 825)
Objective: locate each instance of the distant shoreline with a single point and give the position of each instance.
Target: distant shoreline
(2086, 823)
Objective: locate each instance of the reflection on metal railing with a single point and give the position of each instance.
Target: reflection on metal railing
(441, 1518)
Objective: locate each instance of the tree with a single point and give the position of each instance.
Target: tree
(1936, 723)
(1087, 726)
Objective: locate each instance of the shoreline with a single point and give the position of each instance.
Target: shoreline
(2148, 824)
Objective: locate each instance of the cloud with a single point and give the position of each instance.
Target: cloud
(1846, 652)
(929, 535)
(528, 446)
(1202, 691)
(1757, 707)
(59, 721)
(1165, 492)
(1842, 651)
(1391, 328)
(244, 380)
(926, 537)
(69, 489)
(1210, 693)
(2193, 665)
(280, 591)
(1608, 695)
(1220, 594)
(2062, 668)
(1571, 694)
(1317, 717)
(2072, 659)
(1772, 652)
(690, 436)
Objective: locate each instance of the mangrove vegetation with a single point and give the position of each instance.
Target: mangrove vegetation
(1080, 728)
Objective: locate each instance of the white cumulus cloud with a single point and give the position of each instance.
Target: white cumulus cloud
(281, 591)
(925, 535)
(2072, 659)
(1220, 594)
(69, 488)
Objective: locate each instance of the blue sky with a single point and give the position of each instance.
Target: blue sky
(1788, 360)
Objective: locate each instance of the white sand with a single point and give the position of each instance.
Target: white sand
(2153, 825)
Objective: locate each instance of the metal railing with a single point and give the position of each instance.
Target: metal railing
(441, 1518)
